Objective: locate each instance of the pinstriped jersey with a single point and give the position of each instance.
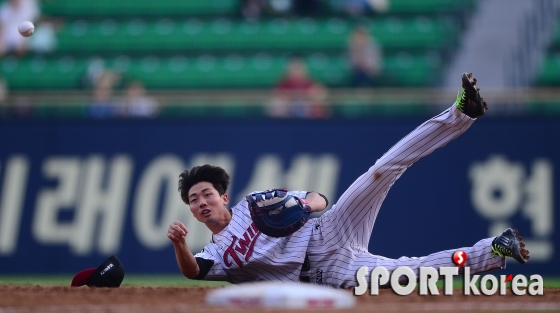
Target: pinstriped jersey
(337, 241)
(241, 253)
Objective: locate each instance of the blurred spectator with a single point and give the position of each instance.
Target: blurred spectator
(22, 107)
(12, 13)
(252, 9)
(365, 57)
(359, 7)
(379, 6)
(297, 95)
(4, 110)
(95, 69)
(103, 105)
(3, 91)
(44, 37)
(136, 103)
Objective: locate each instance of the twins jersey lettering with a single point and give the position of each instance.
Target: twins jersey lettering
(337, 241)
(243, 247)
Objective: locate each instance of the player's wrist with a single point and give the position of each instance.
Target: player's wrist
(181, 243)
(316, 201)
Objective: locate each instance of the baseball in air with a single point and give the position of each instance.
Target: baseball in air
(26, 28)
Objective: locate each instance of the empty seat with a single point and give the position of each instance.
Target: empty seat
(549, 74)
(42, 73)
(118, 8)
(208, 71)
(217, 7)
(430, 6)
(138, 35)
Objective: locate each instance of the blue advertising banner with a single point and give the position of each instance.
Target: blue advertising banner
(74, 192)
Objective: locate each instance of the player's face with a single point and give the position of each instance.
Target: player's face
(206, 204)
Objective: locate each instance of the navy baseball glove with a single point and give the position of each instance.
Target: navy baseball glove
(276, 213)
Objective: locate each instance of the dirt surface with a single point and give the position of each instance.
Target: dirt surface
(192, 300)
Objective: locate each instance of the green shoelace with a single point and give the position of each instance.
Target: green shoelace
(500, 251)
(461, 98)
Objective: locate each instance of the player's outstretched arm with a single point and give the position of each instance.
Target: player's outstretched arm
(177, 233)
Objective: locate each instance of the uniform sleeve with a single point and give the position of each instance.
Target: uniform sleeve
(204, 267)
(210, 267)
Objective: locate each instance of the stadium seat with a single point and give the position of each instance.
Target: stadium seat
(217, 7)
(556, 39)
(549, 72)
(430, 6)
(208, 71)
(171, 44)
(549, 75)
(141, 36)
(43, 73)
(121, 8)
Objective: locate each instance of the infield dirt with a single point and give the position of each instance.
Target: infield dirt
(192, 299)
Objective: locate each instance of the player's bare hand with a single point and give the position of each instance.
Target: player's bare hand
(177, 232)
(316, 202)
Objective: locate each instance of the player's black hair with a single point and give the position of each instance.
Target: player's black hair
(215, 175)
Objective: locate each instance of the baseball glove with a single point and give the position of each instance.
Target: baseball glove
(277, 213)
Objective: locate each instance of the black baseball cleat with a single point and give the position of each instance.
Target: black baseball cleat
(509, 244)
(468, 99)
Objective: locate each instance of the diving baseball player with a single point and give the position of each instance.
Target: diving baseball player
(327, 250)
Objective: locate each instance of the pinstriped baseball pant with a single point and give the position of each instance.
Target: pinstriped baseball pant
(339, 243)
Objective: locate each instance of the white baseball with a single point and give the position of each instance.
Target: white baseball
(26, 28)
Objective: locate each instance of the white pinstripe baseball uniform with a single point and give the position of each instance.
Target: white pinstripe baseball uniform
(337, 242)
(241, 253)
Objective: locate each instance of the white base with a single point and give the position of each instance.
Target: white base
(281, 295)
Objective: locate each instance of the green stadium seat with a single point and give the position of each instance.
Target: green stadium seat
(556, 39)
(549, 75)
(119, 8)
(430, 6)
(205, 44)
(548, 109)
(43, 73)
(141, 36)
(208, 71)
(419, 32)
(105, 8)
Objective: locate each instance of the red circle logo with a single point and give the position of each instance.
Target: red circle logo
(459, 257)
